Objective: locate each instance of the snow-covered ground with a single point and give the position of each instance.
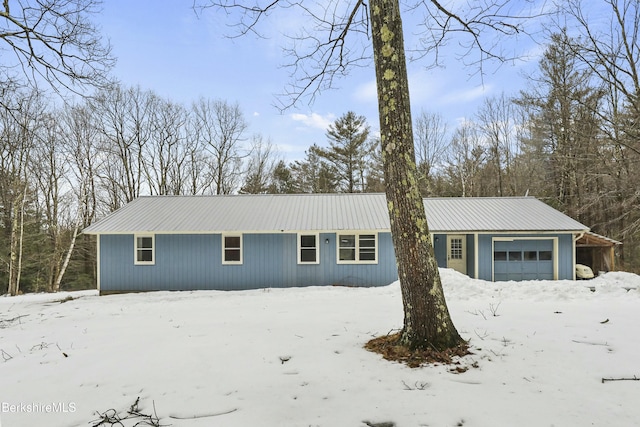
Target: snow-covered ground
(294, 357)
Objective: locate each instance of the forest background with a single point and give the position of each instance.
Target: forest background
(569, 138)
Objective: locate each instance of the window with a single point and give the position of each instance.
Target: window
(308, 249)
(347, 251)
(545, 256)
(232, 249)
(515, 256)
(357, 248)
(456, 249)
(367, 247)
(500, 256)
(530, 255)
(144, 254)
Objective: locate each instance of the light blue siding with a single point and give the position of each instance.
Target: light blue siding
(194, 261)
(187, 262)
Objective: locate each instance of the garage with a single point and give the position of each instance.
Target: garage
(523, 259)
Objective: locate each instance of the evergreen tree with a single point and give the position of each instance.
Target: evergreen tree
(313, 175)
(349, 152)
(566, 128)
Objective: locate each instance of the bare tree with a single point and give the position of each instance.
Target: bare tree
(124, 127)
(496, 122)
(52, 41)
(18, 127)
(220, 128)
(465, 159)
(196, 162)
(612, 50)
(431, 145)
(49, 171)
(529, 171)
(323, 51)
(79, 137)
(261, 164)
(166, 156)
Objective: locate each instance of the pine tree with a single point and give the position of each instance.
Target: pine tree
(349, 151)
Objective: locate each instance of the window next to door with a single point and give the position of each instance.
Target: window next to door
(308, 249)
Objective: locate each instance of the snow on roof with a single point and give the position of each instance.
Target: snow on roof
(267, 213)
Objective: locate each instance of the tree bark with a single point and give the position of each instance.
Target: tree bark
(17, 238)
(427, 323)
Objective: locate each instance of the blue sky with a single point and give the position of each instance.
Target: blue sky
(162, 45)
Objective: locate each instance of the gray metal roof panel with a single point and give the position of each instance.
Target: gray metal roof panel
(248, 213)
(324, 212)
(496, 214)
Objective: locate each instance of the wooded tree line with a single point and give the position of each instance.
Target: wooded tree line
(62, 168)
(570, 138)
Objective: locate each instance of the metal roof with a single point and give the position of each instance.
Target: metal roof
(592, 239)
(324, 212)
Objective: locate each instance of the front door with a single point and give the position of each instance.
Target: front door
(457, 253)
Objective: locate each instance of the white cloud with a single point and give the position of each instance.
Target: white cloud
(468, 95)
(314, 120)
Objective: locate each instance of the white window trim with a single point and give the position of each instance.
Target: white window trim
(222, 243)
(135, 249)
(357, 236)
(299, 237)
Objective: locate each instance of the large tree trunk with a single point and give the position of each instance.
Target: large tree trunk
(67, 257)
(427, 323)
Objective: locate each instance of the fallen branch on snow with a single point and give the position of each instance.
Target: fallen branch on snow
(5, 356)
(216, 414)
(604, 380)
(113, 418)
(591, 343)
(5, 323)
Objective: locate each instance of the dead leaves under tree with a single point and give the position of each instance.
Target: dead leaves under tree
(389, 347)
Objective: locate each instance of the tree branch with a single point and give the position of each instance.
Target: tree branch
(54, 42)
(331, 41)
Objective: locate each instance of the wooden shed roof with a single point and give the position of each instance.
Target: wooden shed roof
(590, 239)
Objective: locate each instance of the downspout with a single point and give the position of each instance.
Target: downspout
(575, 239)
(475, 256)
(98, 264)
